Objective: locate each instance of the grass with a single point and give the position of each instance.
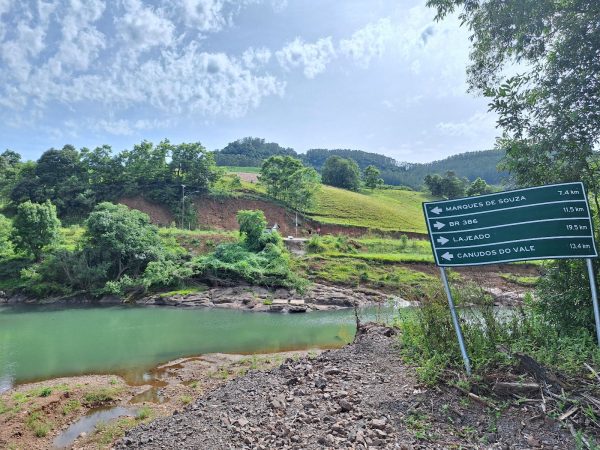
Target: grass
(378, 209)
(38, 425)
(522, 281)
(101, 395)
(351, 270)
(386, 258)
(70, 406)
(241, 169)
(192, 290)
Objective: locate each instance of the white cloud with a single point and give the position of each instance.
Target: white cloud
(18, 53)
(194, 81)
(313, 58)
(471, 127)
(369, 42)
(143, 28)
(256, 57)
(204, 15)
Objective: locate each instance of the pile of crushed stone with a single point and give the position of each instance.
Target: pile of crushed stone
(359, 397)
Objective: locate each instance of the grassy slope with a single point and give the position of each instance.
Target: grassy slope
(388, 209)
(239, 169)
(382, 209)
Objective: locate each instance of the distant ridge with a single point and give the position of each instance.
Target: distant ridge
(251, 152)
(471, 165)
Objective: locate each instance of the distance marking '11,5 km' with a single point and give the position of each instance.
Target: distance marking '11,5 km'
(543, 222)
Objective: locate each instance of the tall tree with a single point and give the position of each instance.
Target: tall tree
(371, 177)
(550, 111)
(287, 179)
(35, 227)
(123, 238)
(10, 163)
(478, 187)
(342, 173)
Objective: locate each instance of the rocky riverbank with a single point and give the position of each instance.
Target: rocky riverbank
(358, 397)
(318, 297)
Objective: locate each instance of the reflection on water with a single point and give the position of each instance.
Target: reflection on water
(88, 422)
(44, 342)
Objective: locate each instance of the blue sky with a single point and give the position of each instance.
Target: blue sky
(375, 75)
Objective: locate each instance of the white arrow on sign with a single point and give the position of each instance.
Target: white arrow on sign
(442, 240)
(439, 225)
(448, 256)
(436, 210)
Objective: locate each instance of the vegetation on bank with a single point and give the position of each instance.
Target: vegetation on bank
(118, 252)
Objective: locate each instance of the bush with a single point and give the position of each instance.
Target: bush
(328, 243)
(233, 262)
(166, 273)
(252, 226)
(429, 339)
(565, 299)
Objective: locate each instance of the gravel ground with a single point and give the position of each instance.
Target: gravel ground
(358, 397)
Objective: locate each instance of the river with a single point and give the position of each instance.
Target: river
(43, 342)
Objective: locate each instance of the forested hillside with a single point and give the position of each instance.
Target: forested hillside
(470, 165)
(251, 152)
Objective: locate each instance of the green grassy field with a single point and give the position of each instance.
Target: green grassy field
(381, 209)
(239, 169)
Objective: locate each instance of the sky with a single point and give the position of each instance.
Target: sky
(375, 75)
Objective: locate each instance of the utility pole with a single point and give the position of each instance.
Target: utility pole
(182, 204)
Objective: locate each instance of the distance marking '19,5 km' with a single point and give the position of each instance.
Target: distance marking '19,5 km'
(543, 222)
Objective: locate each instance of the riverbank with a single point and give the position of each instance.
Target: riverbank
(63, 410)
(504, 290)
(361, 396)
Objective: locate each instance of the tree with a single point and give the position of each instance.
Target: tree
(250, 151)
(123, 238)
(342, 173)
(478, 187)
(252, 226)
(286, 179)
(434, 184)
(550, 112)
(35, 227)
(371, 177)
(5, 232)
(449, 186)
(10, 163)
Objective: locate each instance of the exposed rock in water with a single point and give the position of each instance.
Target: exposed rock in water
(318, 297)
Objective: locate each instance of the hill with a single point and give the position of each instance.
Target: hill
(470, 165)
(382, 209)
(251, 152)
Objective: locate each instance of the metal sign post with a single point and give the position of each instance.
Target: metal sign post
(461, 339)
(544, 222)
(594, 297)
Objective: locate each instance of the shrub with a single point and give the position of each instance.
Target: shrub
(234, 262)
(564, 296)
(252, 226)
(166, 273)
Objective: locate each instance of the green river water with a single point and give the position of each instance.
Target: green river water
(39, 343)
